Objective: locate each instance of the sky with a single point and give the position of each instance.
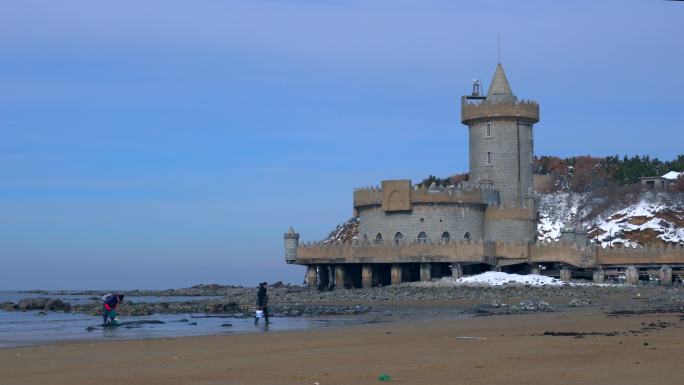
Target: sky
(167, 143)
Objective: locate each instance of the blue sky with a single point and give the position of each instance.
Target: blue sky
(167, 143)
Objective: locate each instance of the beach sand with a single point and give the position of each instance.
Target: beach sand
(509, 350)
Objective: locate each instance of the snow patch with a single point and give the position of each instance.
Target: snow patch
(496, 278)
(672, 175)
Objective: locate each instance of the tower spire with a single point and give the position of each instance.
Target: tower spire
(498, 48)
(499, 90)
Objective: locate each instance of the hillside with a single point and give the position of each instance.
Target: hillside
(651, 218)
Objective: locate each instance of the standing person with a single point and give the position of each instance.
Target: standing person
(111, 301)
(262, 302)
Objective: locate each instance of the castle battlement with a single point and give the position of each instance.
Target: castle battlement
(525, 110)
(465, 194)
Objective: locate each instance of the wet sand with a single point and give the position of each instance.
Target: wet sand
(648, 349)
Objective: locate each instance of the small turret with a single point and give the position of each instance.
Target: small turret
(291, 245)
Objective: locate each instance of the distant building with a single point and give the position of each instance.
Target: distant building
(660, 182)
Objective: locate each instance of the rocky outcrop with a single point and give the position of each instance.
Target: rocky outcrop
(29, 304)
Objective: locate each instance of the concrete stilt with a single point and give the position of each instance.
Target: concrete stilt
(366, 276)
(311, 276)
(339, 276)
(598, 276)
(456, 270)
(566, 275)
(425, 272)
(323, 276)
(665, 275)
(632, 275)
(396, 274)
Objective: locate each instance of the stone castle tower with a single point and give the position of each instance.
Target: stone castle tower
(501, 141)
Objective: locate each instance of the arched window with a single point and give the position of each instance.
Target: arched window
(422, 237)
(378, 238)
(466, 236)
(446, 236)
(398, 237)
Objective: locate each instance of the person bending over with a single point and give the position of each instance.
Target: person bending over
(111, 301)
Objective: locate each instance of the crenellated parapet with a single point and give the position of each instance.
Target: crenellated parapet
(566, 252)
(523, 110)
(499, 253)
(669, 254)
(463, 194)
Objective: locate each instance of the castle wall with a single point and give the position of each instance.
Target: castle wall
(388, 252)
(510, 230)
(510, 147)
(454, 218)
(670, 254)
(569, 253)
(510, 224)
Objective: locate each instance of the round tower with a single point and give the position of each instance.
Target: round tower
(501, 140)
(291, 244)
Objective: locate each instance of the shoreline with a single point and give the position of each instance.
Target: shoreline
(500, 349)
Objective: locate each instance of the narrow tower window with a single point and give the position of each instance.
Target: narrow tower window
(489, 158)
(489, 130)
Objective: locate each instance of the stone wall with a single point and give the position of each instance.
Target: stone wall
(569, 253)
(433, 219)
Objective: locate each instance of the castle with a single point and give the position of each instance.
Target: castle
(410, 233)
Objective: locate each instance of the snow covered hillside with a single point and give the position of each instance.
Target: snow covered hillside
(654, 218)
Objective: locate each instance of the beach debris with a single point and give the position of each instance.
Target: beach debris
(534, 305)
(577, 302)
(384, 377)
(227, 325)
(470, 338)
(497, 302)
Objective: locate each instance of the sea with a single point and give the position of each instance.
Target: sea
(30, 328)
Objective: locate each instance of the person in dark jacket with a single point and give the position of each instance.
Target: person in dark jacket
(111, 301)
(262, 302)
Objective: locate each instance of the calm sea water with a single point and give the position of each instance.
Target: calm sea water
(31, 328)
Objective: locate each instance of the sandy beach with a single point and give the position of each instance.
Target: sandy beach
(507, 349)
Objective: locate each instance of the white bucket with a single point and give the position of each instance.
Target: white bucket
(259, 313)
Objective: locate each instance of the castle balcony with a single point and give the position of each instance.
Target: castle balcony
(526, 110)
